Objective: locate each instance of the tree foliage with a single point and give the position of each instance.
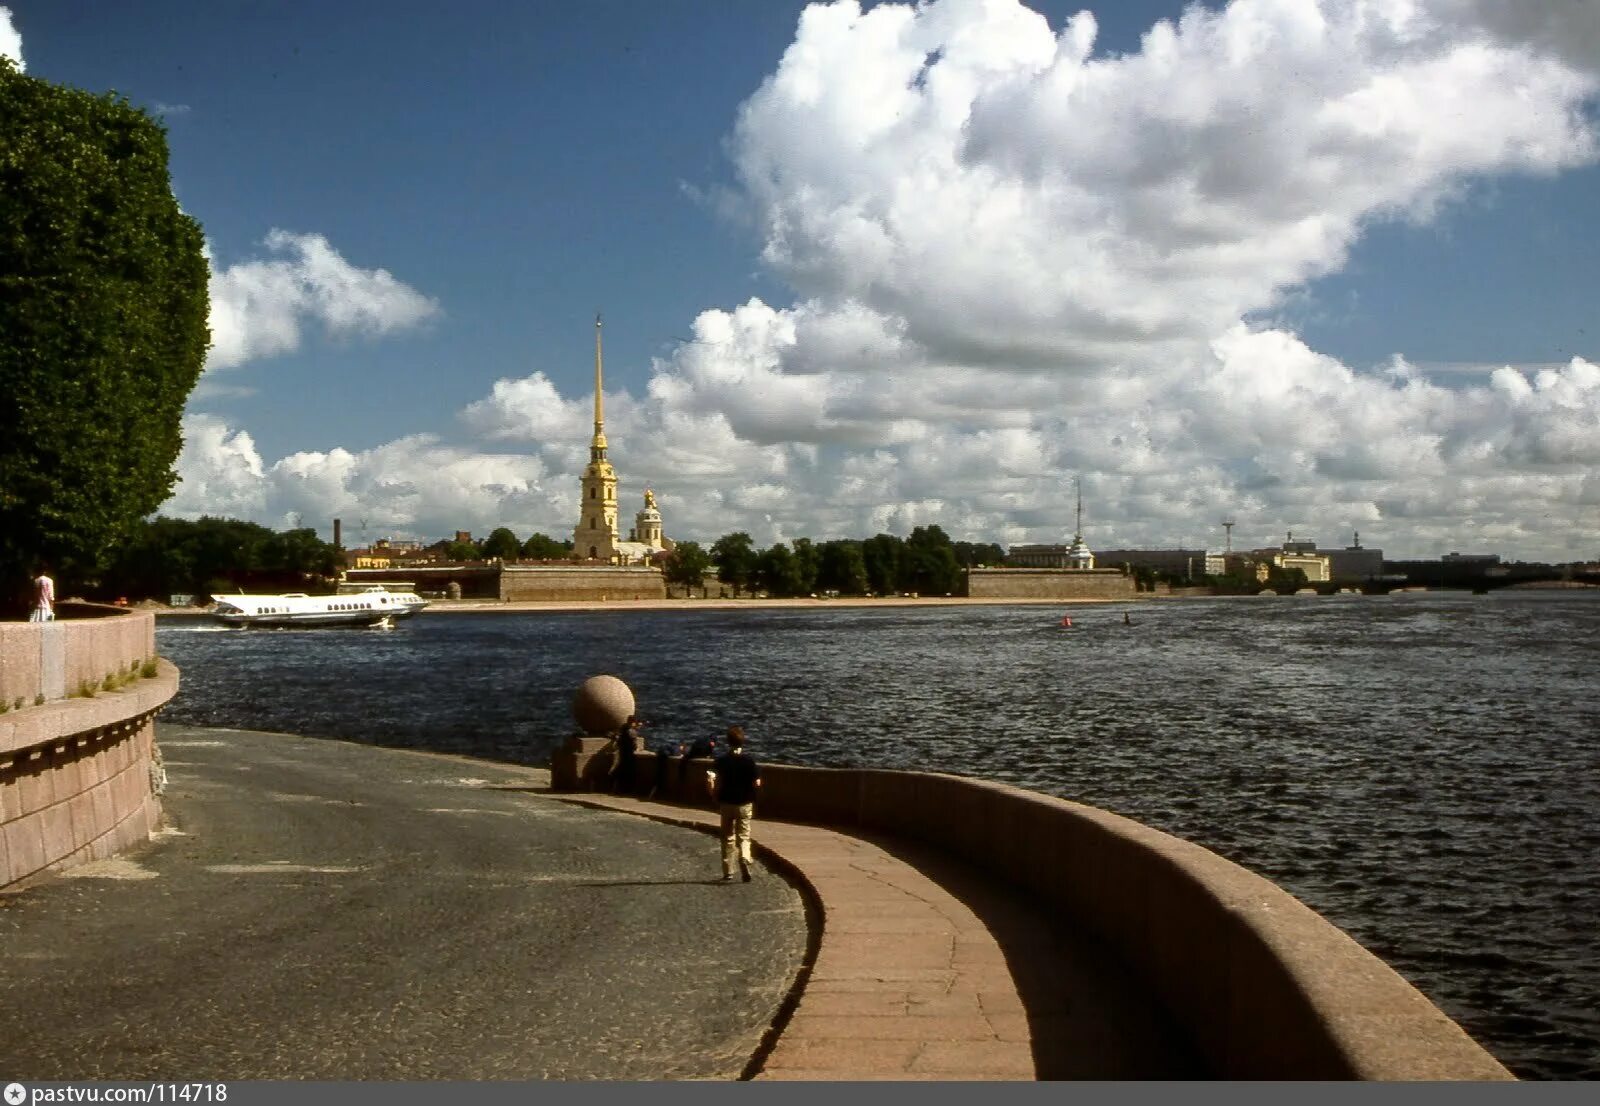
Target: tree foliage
(687, 565)
(163, 556)
(103, 306)
(542, 547)
(502, 543)
(736, 559)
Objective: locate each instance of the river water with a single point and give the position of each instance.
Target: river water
(1421, 768)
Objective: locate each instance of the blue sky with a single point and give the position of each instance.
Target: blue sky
(1219, 342)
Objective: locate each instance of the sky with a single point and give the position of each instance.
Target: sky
(1320, 266)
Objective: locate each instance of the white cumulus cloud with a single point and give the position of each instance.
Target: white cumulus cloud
(260, 307)
(10, 39)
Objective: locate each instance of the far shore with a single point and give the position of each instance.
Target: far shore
(491, 606)
(496, 606)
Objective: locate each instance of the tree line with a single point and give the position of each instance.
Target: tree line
(926, 563)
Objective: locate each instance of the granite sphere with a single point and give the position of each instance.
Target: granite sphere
(602, 704)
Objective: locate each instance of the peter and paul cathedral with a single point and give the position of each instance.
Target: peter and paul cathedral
(596, 536)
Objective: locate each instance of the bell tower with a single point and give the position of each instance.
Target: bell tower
(596, 533)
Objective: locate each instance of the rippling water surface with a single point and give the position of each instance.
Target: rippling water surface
(1421, 768)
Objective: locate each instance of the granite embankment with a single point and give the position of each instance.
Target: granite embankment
(1257, 983)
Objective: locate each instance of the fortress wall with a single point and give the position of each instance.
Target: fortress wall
(1049, 583)
(578, 583)
(78, 776)
(1264, 986)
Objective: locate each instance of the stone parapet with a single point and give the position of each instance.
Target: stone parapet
(79, 776)
(1263, 986)
(56, 659)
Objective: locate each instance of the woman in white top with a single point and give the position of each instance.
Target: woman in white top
(44, 598)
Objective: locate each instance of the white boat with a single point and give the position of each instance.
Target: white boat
(372, 606)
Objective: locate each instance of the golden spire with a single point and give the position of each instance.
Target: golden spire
(599, 441)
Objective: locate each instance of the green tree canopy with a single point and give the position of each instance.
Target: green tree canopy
(162, 556)
(502, 543)
(841, 569)
(928, 564)
(103, 306)
(807, 563)
(880, 555)
(736, 559)
(778, 572)
(542, 547)
(688, 564)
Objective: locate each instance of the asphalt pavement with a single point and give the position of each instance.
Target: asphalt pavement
(322, 910)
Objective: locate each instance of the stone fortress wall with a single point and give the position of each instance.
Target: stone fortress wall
(1050, 583)
(1264, 986)
(579, 583)
(79, 774)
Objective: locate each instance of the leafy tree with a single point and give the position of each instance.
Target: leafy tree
(928, 564)
(841, 569)
(807, 563)
(542, 547)
(687, 565)
(502, 544)
(880, 555)
(736, 559)
(103, 305)
(778, 572)
(298, 551)
(977, 554)
(462, 551)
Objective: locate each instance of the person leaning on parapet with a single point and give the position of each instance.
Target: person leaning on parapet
(733, 781)
(623, 768)
(665, 751)
(44, 597)
(700, 747)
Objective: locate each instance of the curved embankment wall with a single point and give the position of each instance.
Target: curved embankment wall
(79, 773)
(1264, 986)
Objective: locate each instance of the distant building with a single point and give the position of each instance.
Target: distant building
(1354, 563)
(1177, 562)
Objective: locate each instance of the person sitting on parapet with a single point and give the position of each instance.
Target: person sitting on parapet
(700, 747)
(665, 751)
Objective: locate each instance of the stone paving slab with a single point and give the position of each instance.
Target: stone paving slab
(925, 969)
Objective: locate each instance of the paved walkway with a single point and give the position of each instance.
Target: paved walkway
(323, 910)
(927, 970)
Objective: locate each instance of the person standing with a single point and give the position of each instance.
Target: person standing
(44, 597)
(627, 762)
(734, 779)
(665, 752)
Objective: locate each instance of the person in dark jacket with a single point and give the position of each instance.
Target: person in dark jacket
(734, 780)
(665, 751)
(701, 747)
(627, 763)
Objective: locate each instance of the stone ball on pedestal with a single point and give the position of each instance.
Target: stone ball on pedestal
(602, 704)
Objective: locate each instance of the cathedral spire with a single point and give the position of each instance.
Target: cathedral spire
(598, 444)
